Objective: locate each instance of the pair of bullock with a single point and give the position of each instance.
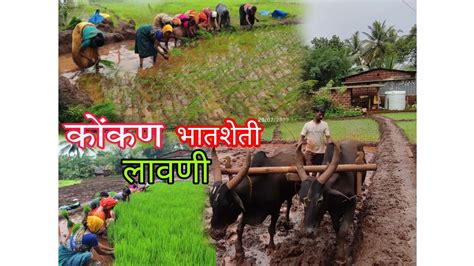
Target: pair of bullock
(257, 196)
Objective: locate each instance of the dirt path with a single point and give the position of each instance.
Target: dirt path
(389, 218)
(86, 190)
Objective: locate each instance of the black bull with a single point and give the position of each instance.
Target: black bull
(335, 193)
(257, 196)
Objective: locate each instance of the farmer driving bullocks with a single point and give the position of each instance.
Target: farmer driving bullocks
(148, 42)
(315, 134)
(86, 40)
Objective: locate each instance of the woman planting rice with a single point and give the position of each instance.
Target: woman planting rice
(147, 40)
(161, 20)
(207, 19)
(104, 211)
(86, 40)
(187, 22)
(247, 15)
(76, 249)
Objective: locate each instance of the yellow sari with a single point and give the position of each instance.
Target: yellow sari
(89, 56)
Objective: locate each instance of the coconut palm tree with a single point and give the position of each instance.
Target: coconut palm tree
(354, 43)
(375, 47)
(72, 150)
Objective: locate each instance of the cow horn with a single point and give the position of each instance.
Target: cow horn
(241, 174)
(216, 169)
(336, 156)
(299, 163)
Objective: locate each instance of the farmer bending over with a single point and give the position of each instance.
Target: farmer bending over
(86, 40)
(247, 15)
(124, 195)
(161, 20)
(76, 249)
(315, 134)
(104, 211)
(223, 16)
(95, 202)
(148, 40)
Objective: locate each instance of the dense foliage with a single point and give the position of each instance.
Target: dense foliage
(326, 60)
(75, 113)
(75, 167)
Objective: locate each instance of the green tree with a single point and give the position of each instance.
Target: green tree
(405, 48)
(354, 43)
(377, 46)
(327, 60)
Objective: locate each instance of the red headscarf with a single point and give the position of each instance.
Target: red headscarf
(202, 17)
(108, 203)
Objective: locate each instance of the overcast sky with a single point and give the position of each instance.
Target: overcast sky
(325, 18)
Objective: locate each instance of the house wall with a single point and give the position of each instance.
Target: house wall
(341, 99)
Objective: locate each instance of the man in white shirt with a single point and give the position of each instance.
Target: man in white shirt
(315, 134)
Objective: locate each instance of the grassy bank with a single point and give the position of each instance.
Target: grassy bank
(68, 182)
(401, 116)
(150, 228)
(363, 129)
(408, 127)
(144, 12)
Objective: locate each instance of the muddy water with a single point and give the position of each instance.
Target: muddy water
(292, 248)
(122, 54)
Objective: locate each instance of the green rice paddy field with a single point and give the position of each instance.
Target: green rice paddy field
(363, 129)
(407, 122)
(143, 12)
(163, 226)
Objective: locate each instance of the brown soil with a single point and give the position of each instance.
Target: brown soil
(70, 94)
(86, 190)
(389, 216)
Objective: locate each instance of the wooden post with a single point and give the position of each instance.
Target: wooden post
(359, 160)
(307, 168)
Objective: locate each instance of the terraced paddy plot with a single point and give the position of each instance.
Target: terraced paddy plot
(163, 226)
(238, 75)
(364, 129)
